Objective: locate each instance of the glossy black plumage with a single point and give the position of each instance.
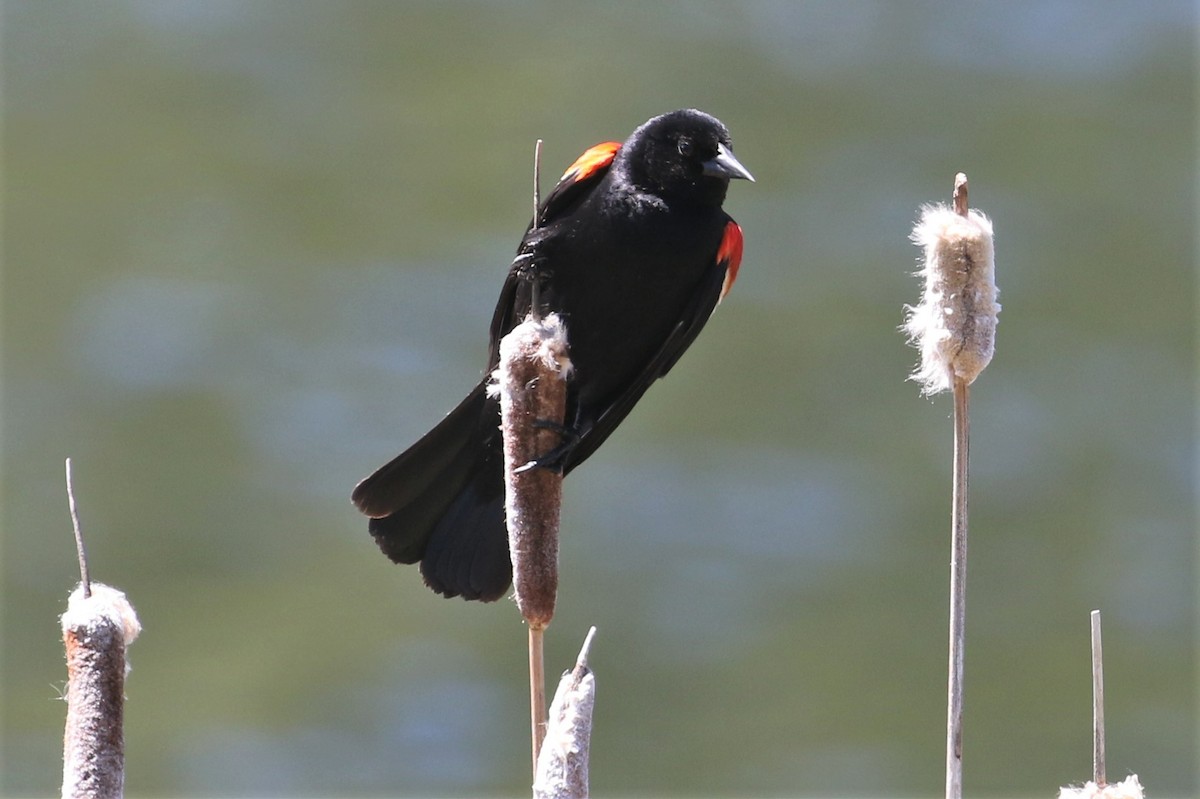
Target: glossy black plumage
(633, 249)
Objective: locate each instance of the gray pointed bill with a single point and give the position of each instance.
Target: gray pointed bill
(726, 166)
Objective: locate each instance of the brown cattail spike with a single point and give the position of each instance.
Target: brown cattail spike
(533, 393)
(97, 629)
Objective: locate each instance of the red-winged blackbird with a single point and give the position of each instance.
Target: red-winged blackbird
(633, 250)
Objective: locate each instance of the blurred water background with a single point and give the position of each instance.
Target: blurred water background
(251, 251)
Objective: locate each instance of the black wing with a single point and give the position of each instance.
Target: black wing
(579, 179)
(711, 291)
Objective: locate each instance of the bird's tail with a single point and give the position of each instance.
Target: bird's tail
(441, 502)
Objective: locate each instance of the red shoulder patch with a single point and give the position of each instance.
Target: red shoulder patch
(729, 254)
(592, 161)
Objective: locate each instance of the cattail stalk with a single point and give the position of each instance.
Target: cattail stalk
(1097, 703)
(954, 327)
(1098, 787)
(531, 381)
(958, 589)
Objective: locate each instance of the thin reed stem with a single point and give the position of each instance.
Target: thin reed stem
(958, 589)
(537, 691)
(1097, 703)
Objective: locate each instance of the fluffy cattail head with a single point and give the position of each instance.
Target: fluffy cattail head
(954, 325)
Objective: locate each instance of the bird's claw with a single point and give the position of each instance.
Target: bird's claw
(555, 459)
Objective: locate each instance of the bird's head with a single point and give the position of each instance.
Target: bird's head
(684, 154)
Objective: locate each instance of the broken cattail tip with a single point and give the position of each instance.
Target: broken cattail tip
(954, 325)
(960, 194)
(561, 771)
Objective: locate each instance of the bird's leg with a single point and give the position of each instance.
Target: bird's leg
(569, 434)
(556, 458)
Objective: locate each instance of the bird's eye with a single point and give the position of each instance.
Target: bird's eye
(685, 147)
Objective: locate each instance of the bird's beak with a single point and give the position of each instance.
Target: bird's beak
(726, 166)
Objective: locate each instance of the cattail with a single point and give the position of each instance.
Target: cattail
(562, 768)
(531, 382)
(97, 628)
(954, 325)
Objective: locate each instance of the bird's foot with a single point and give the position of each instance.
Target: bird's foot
(556, 458)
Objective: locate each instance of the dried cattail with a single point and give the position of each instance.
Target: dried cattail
(954, 325)
(561, 771)
(98, 626)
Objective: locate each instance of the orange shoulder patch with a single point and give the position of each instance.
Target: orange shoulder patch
(730, 254)
(592, 161)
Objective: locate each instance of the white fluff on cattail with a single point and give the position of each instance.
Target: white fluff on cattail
(101, 605)
(954, 325)
(1129, 788)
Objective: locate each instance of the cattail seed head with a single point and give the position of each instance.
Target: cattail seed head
(98, 626)
(531, 382)
(954, 325)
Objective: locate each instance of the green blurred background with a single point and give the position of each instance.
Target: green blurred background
(251, 251)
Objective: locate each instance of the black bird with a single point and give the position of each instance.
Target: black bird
(633, 249)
